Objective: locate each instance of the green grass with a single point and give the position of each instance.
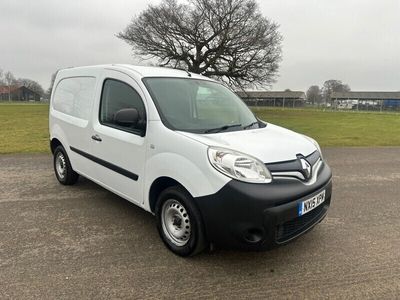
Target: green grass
(336, 128)
(24, 127)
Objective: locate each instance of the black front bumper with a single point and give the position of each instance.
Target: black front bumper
(261, 216)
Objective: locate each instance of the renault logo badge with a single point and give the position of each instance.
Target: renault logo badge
(306, 168)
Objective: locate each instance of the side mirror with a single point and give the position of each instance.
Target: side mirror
(127, 117)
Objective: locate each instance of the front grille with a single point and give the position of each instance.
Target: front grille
(294, 168)
(290, 229)
(292, 165)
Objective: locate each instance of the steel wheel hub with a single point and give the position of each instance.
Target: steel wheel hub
(61, 167)
(175, 222)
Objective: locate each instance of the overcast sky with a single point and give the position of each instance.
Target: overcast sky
(356, 41)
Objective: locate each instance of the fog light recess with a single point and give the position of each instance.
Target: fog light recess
(253, 235)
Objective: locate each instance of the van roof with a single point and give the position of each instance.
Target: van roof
(142, 71)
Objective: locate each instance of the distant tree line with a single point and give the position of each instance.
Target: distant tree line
(323, 95)
(8, 79)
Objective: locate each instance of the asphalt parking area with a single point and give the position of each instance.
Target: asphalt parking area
(84, 242)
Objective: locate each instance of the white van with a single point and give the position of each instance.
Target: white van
(188, 150)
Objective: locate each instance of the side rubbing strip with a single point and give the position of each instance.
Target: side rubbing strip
(106, 164)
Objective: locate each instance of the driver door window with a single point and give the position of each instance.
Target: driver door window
(117, 95)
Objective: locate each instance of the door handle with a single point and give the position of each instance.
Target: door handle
(96, 137)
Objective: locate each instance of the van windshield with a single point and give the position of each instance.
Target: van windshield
(199, 106)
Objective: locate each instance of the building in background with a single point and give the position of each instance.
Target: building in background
(366, 100)
(273, 98)
(18, 93)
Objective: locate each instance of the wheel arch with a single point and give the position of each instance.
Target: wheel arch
(54, 143)
(58, 137)
(166, 169)
(159, 185)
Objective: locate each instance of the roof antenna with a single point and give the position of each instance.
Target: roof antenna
(187, 72)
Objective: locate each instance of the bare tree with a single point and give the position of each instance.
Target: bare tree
(333, 86)
(1, 77)
(32, 85)
(227, 39)
(10, 80)
(314, 95)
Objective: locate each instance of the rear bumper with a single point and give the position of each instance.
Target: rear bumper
(261, 216)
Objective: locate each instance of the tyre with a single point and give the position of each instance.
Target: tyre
(179, 222)
(62, 167)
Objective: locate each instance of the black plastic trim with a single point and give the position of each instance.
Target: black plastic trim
(240, 208)
(106, 164)
(292, 165)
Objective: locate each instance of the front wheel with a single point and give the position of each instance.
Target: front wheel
(179, 222)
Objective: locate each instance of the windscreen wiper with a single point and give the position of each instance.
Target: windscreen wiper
(250, 125)
(222, 128)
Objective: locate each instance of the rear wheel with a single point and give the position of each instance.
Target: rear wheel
(62, 167)
(179, 222)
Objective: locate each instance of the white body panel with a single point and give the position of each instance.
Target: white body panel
(161, 152)
(119, 148)
(173, 155)
(269, 144)
(72, 130)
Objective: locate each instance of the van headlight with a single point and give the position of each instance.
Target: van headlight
(238, 165)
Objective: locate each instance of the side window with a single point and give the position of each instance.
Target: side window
(117, 95)
(74, 96)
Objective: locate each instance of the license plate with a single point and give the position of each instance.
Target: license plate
(309, 204)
